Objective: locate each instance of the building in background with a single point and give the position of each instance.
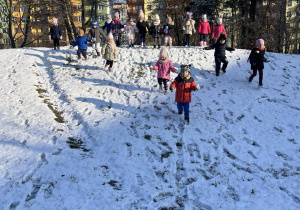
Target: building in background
(133, 7)
(153, 7)
(4, 39)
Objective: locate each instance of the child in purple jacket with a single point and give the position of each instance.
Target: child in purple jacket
(164, 67)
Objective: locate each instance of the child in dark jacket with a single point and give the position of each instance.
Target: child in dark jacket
(164, 67)
(81, 41)
(55, 33)
(116, 29)
(156, 31)
(257, 59)
(220, 46)
(184, 85)
(143, 26)
(168, 32)
(107, 25)
(97, 35)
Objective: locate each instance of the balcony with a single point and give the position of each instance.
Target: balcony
(135, 1)
(132, 12)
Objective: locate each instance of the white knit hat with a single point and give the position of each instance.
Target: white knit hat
(204, 16)
(110, 35)
(169, 19)
(117, 15)
(163, 52)
(156, 17)
(219, 20)
(141, 13)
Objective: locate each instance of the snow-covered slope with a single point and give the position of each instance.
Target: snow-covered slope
(77, 137)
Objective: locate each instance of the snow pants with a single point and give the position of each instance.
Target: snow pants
(218, 61)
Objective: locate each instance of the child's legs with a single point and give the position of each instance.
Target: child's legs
(218, 65)
(165, 81)
(155, 41)
(254, 73)
(260, 75)
(84, 53)
(225, 63)
(97, 47)
(160, 81)
(110, 63)
(186, 107)
(79, 53)
(56, 42)
(179, 106)
(188, 39)
(143, 38)
(168, 39)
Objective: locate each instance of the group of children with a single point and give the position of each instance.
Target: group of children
(183, 83)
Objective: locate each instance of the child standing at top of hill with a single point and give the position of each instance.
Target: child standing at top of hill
(109, 52)
(203, 30)
(218, 29)
(143, 26)
(156, 31)
(97, 35)
(188, 28)
(257, 59)
(184, 84)
(168, 32)
(116, 28)
(130, 30)
(164, 67)
(107, 25)
(220, 46)
(81, 41)
(55, 33)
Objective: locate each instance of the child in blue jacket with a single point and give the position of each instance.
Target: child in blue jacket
(81, 41)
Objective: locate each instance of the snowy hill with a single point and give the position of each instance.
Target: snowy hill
(77, 137)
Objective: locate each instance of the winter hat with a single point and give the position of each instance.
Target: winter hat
(54, 21)
(163, 52)
(185, 68)
(260, 42)
(204, 16)
(141, 14)
(117, 15)
(156, 17)
(222, 36)
(130, 20)
(81, 32)
(95, 23)
(110, 35)
(189, 15)
(108, 17)
(169, 19)
(219, 20)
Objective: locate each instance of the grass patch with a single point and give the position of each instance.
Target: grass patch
(148, 137)
(76, 144)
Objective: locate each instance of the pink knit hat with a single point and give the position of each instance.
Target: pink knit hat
(54, 20)
(163, 52)
(260, 42)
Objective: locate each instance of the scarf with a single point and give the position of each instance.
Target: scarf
(163, 61)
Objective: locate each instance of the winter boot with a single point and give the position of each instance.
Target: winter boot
(86, 58)
(260, 84)
(166, 92)
(160, 87)
(187, 119)
(144, 44)
(105, 66)
(154, 46)
(110, 69)
(170, 45)
(54, 47)
(201, 43)
(204, 44)
(158, 47)
(250, 79)
(58, 48)
(180, 112)
(98, 54)
(224, 70)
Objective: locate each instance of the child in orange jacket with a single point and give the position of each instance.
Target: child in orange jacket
(184, 85)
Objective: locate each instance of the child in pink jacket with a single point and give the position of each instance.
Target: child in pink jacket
(218, 29)
(203, 30)
(164, 67)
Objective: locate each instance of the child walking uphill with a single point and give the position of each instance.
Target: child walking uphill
(220, 46)
(109, 52)
(81, 41)
(55, 33)
(203, 30)
(97, 35)
(164, 67)
(184, 84)
(257, 59)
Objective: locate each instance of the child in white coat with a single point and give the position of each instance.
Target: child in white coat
(131, 29)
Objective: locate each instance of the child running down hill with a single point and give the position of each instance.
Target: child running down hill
(81, 41)
(109, 52)
(164, 67)
(184, 85)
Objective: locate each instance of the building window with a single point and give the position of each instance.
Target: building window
(290, 3)
(149, 7)
(24, 19)
(130, 9)
(149, 18)
(15, 30)
(13, 9)
(79, 7)
(101, 18)
(79, 18)
(100, 7)
(23, 9)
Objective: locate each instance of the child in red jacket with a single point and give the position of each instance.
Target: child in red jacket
(184, 85)
(218, 29)
(203, 30)
(164, 67)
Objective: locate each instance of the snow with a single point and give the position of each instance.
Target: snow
(74, 136)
